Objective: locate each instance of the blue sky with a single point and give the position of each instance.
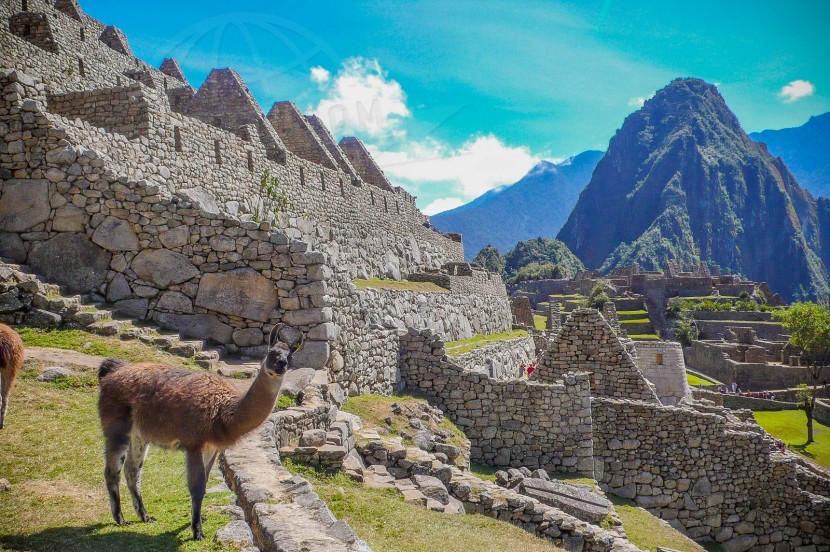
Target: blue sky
(455, 98)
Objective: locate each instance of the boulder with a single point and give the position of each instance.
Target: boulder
(134, 308)
(432, 488)
(313, 354)
(55, 372)
(11, 247)
(9, 302)
(71, 260)
(201, 326)
(201, 200)
(313, 438)
(175, 237)
(23, 204)
(242, 292)
(247, 337)
(42, 318)
(69, 218)
(176, 301)
(163, 267)
(115, 234)
(118, 289)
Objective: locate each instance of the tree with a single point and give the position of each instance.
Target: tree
(490, 259)
(599, 295)
(685, 331)
(809, 327)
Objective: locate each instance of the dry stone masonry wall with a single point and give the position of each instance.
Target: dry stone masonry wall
(508, 422)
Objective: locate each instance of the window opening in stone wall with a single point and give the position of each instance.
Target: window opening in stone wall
(24, 5)
(83, 34)
(302, 177)
(217, 151)
(81, 69)
(27, 30)
(323, 180)
(398, 206)
(177, 138)
(251, 161)
(165, 83)
(217, 121)
(117, 80)
(659, 359)
(372, 196)
(385, 204)
(342, 190)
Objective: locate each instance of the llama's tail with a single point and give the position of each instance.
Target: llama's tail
(109, 366)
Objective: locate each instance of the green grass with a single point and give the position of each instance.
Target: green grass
(645, 337)
(457, 348)
(791, 427)
(286, 400)
(540, 322)
(388, 524)
(97, 345)
(375, 409)
(646, 531)
(632, 313)
(694, 380)
(51, 452)
(635, 321)
(377, 283)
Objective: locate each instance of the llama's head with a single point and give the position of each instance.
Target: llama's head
(280, 350)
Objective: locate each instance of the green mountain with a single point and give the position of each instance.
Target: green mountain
(531, 260)
(682, 180)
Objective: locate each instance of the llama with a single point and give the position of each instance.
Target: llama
(197, 412)
(11, 359)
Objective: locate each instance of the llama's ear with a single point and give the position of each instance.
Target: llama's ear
(275, 335)
(298, 342)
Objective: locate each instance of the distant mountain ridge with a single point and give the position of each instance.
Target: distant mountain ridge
(536, 205)
(682, 180)
(806, 151)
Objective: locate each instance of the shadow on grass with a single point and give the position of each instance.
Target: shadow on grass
(90, 537)
(802, 449)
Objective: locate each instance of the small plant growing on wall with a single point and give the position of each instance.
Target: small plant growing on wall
(271, 192)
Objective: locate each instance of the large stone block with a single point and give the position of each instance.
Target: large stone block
(115, 234)
(11, 247)
(242, 292)
(313, 354)
(176, 302)
(71, 260)
(69, 218)
(118, 289)
(200, 199)
(134, 308)
(163, 267)
(201, 326)
(24, 204)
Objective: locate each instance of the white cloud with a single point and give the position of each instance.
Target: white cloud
(443, 204)
(362, 100)
(480, 164)
(320, 75)
(796, 89)
(639, 101)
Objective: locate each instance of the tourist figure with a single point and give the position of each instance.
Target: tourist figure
(734, 387)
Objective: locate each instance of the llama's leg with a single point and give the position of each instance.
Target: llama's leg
(196, 483)
(4, 397)
(136, 454)
(209, 455)
(115, 453)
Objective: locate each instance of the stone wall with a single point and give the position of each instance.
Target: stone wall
(587, 344)
(661, 362)
(91, 229)
(508, 422)
(707, 473)
(502, 360)
(121, 110)
(709, 359)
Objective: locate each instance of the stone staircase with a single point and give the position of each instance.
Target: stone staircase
(26, 299)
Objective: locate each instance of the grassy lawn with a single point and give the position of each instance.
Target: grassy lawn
(697, 380)
(388, 524)
(635, 321)
(375, 409)
(457, 348)
(648, 532)
(51, 452)
(645, 337)
(540, 322)
(635, 313)
(791, 427)
(377, 283)
(97, 345)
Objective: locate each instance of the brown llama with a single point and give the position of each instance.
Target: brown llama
(11, 359)
(197, 412)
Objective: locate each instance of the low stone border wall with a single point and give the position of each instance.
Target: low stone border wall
(282, 509)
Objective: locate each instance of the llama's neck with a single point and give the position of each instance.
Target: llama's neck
(256, 404)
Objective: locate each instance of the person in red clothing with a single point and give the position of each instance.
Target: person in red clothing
(530, 369)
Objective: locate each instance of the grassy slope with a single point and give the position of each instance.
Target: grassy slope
(388, 524)
(51, 452)
(377, 283)
(791, 427)
(540, 322)
(647, 532)
(697, 380)
(456, 348)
